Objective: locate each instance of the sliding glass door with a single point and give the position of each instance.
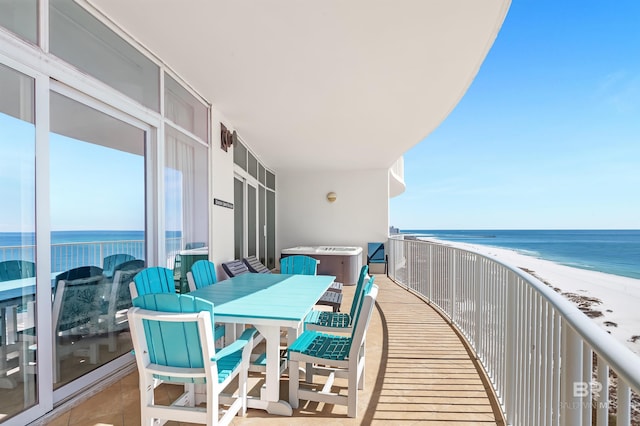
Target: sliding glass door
(97, 196)
(18, 331)
(254, 207)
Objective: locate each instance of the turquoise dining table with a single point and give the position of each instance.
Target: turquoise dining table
(268, 302)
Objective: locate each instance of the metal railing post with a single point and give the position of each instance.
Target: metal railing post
(602, 399)
(623, 413)
(452, 287)
(510, 349)
(572, 386)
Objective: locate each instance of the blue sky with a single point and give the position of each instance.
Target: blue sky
(548, 134)
(95, 187)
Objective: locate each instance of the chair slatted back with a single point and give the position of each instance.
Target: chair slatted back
(368, 287)
(153, 280)
(130, 265)
(16, 269)
(203, 273)
(110, 263)
(255, 266)
(78, 273)
(76, 304)
(299, 264)
(234, 268)
(359, 293)
(363, 317)
(120, 295)
(177, 342)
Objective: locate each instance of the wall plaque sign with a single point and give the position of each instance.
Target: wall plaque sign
(221, 203)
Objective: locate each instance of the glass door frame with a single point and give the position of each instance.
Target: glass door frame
(82, 382)
(248, 180)
(85, 380)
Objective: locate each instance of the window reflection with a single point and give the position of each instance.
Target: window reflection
(98, 239)
(17, 243)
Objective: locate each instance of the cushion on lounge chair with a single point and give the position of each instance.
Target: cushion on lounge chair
(234, 268)
(255, 265)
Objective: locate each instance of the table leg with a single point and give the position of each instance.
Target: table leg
(230, 333)
(270, 393)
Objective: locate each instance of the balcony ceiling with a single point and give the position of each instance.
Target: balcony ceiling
(329, 84)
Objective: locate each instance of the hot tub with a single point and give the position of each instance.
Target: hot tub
(343, 262)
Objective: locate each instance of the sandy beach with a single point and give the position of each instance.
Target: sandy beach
(612, 301)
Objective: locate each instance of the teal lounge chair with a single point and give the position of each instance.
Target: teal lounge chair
(255, 266)
(234, 268)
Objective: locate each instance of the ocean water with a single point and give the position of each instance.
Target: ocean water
(611, 251)
(70, 249)
(61, 237)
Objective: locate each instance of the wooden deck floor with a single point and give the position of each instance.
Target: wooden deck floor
(418, 371)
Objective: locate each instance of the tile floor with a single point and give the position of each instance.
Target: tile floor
(418, 371)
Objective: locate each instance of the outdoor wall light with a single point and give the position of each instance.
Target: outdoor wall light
(331, 197)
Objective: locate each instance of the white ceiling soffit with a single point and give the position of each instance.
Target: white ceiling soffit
(330, 84)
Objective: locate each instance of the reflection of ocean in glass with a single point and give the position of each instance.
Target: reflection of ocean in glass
(611, 251)
(70, 249)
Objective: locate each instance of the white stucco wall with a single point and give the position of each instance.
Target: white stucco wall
(304, 216)
(221, 240)
(358, 216)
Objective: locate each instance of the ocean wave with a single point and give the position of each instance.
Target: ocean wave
(526, 252)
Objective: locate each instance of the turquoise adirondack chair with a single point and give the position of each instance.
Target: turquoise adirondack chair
(333, 356)
(158, 280)
(155, 279)
(299, 264)
(339, 321)
(202, 274)
(173, 341)
(306, 265)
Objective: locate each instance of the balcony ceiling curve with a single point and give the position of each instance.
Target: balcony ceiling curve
(329, 84)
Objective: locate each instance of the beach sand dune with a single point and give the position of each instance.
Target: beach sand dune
(612, 301)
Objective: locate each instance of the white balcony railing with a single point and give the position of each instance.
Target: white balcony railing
(65, 256)
(548, 363)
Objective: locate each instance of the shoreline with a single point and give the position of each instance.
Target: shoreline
(611, 301)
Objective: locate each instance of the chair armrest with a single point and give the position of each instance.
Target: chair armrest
(240, 343)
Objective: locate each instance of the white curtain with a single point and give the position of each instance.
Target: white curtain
(180, 185)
